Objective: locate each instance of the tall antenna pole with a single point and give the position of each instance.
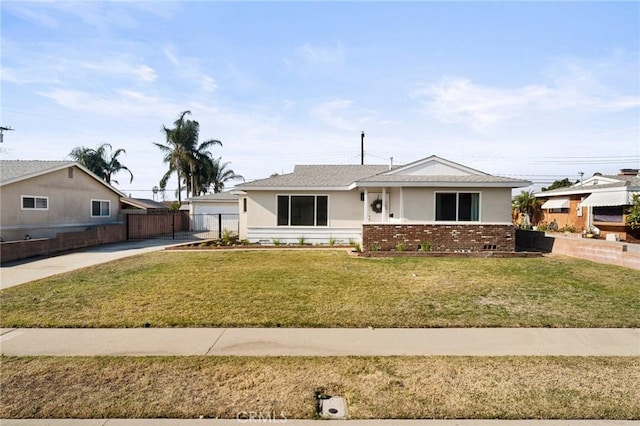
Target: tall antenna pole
(2, 129)
(362, 148)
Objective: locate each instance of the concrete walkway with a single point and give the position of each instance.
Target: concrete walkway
(320, 342)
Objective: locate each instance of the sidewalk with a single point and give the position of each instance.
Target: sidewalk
(320, 342)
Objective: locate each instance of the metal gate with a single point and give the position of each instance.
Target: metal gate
(180, 226)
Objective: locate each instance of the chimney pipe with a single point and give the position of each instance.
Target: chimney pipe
(362, 148)
(390, 163)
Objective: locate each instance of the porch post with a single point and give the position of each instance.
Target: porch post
(365, 219)
(384, 205)
(401, 204)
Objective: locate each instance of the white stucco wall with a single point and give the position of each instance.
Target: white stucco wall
(346, 211)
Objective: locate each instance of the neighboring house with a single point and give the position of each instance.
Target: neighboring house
(40, 199)
(600, 201)
(214, 212)
(435, 201)
(142, 206)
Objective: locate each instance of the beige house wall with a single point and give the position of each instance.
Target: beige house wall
(69, 204)
(345, 208)
(419, 203)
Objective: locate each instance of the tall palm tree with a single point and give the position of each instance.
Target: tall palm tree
(182, 151)
(221, 174)
(101, 161)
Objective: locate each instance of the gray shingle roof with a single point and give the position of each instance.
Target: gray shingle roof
(442, 178)
(18, 170)
(308, 176)
(12, 170)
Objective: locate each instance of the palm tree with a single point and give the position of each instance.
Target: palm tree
(527, 203)
(221, 174)
(182, 151)
(101, 161)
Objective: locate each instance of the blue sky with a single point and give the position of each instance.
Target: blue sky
(538, 90)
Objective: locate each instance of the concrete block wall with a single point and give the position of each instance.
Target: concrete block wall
(103, 234)
(612, 253)
(446, 238)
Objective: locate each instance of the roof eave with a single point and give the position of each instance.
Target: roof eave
(514, 184)
(62, 167)
(297, 188)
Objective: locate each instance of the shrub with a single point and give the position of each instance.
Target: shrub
(227, 237)
(301, 240)
(633, 214)
(374, 247)
(332, 241)
(276, 241)
(400, 246)
(425, 246)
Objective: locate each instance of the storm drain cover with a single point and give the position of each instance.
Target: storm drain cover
(333, 408)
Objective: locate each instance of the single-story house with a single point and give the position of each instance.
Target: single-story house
(599, 202)
(40, 199)
(433, 201)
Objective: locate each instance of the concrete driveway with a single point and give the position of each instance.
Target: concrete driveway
(27, 270)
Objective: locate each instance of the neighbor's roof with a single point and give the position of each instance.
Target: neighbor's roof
(144, 203)
(317, 176)
(624, 183)
(12, 171)
(16, 170)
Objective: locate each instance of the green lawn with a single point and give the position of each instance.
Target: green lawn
(321, 288)
(375, 387)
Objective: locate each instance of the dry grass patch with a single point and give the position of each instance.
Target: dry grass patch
(327, 289)
(375, 387)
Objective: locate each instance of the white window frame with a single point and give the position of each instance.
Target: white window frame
(315, 210)
(435, 206)
(35, 202)
(100, 201)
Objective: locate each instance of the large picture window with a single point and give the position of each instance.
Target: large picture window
(35, 203)
(100, 208)
(303, 210)
(458, 206)
(608, 214)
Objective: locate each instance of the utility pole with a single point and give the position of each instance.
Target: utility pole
(2, 129)
(362, 148)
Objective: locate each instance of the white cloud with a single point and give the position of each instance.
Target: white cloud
(28, 13)
(189, 68)
(459, 100)
(340, 114)
(121, 103)
(322, 55)
(119, 66)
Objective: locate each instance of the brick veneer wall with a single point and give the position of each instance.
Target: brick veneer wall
(451, 238)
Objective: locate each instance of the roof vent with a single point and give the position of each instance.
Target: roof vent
(629, 172)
